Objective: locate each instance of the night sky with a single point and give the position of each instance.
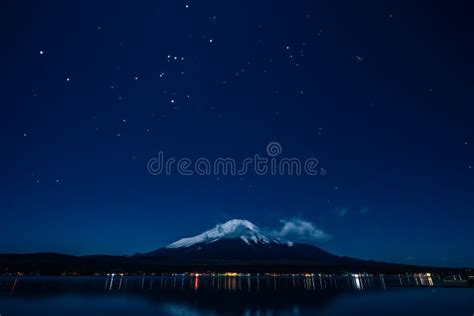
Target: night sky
(380, 92)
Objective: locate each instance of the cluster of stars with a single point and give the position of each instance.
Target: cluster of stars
(292, 52)
(170, 58)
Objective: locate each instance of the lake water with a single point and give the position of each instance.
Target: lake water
(241, 295)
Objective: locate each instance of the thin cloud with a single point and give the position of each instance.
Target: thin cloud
(301, 230)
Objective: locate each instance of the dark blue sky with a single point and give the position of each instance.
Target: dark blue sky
(380, 92)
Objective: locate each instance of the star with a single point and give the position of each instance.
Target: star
(41, 52)
(24, 134)
(211, 40)
(68, 79)
(57, 180)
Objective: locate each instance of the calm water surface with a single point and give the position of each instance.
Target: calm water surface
(263, 295)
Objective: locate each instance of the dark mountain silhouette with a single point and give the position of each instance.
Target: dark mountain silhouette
(236, 245)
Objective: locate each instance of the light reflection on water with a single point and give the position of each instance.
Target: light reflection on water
(232, 295)
(308, 282)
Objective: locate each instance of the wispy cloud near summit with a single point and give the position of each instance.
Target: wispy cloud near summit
(301, 230)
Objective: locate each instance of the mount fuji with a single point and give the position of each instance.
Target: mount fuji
(239, 241)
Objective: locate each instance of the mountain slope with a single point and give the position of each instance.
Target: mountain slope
(238, 250)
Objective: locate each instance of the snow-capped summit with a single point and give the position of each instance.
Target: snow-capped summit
(233, 229)
(236, 241)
